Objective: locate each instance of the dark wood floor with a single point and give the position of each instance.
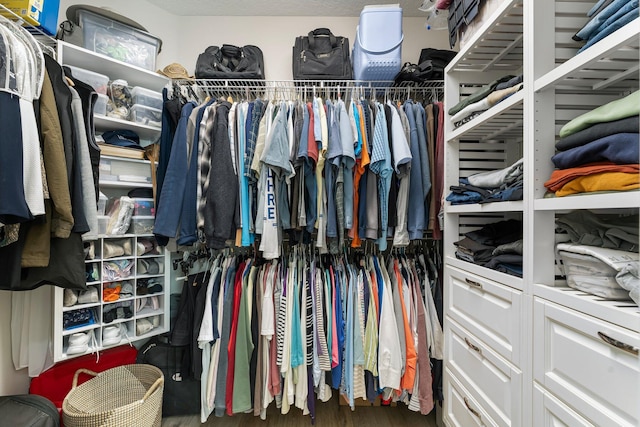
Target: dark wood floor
(329, 414)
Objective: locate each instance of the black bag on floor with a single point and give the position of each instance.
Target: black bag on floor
(181, 392)
(321, 56)
(28, 410)
(230, 62)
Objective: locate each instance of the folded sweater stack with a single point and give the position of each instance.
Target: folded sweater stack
(497, 246)
(491, 186)
(485, 98)
(599, 150)
(602, 256)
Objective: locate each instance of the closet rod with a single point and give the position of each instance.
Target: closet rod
(304, 88)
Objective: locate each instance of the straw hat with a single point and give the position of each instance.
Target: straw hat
(175, 71)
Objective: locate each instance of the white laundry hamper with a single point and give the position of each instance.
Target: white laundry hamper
(377, 50)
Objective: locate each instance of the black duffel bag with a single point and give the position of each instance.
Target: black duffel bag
(321, 56)
(230, 62)
(28, 410)
(181, 392)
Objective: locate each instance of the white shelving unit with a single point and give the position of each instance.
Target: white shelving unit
(118, 175)
(531, 351)
(101, 307)
(70, 54)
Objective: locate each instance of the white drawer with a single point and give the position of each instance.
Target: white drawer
(496, 382)
(573, 360)
(489, 310)
(549, 411)
(460, 408)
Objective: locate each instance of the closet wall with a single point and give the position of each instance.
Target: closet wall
(184, 37)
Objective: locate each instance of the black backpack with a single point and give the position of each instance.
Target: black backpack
(181, 394)
(321, 56)
(230, 62)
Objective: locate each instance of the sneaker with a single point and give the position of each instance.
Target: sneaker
(89, 296)
(112, 249)
(90, 251)
(112, 335)
(79, 342)
(155, 321)
(143, 326)
(69, 298)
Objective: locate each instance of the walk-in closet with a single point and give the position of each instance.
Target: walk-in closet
(248, 212)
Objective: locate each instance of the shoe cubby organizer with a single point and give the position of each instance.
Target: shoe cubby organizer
(126, 297)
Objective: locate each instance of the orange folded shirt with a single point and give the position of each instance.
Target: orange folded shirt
(606, 181)
(110, 294)
(560, 177)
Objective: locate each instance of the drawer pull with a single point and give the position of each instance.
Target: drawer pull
(473, 347)
(619, 344)
(473, 283)
(473, 411)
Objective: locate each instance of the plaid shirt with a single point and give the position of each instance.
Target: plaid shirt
(204, 163)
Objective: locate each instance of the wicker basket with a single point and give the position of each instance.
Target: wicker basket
(129, 395)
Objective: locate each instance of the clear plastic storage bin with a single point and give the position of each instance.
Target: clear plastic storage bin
(142, 225)
(119, 41)
(146, 97)
(143, 207)
(146, 115)
(97, 81)
(377, 50)
(103, 222)
(100, 107)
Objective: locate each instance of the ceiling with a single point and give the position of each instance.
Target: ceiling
(280, 7)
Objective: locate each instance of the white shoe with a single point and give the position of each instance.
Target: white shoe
(112, 335)
(79, 342)
(89, 296)
(143, 326)
(70, 298)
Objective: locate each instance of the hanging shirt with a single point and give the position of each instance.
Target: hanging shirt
(389, 356)
(247, 237)
(347, 139)
(381, 165)
(321, 223)
(244, 348)
(231, 348)
(360, 169)
(416, 222)
(402, 165)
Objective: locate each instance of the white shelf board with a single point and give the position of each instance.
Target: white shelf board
(151, 256)
(613, 200)
(104, 123)
(497, 276)
(124, 184)
(497, 44)
(502, 121)
(116, 321)
(611, 63)
(66, 332)
(509, 206)
(114, 69)
(148, 312)
(79, 306)
(155, 331)
(622, 313)
(124, 159)
(149, 276)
